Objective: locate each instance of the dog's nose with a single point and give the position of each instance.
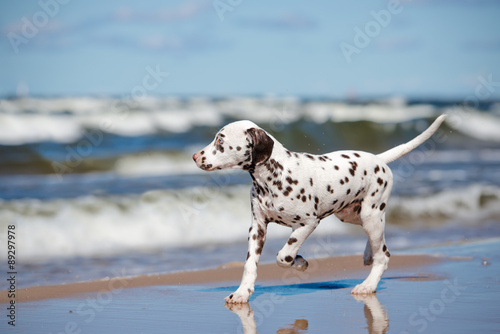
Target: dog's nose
(195, 157)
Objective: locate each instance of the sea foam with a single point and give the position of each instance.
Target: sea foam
(165, 219)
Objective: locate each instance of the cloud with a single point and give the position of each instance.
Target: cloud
(284, 21)
(174, 44)
(188, 10)
(168, 28)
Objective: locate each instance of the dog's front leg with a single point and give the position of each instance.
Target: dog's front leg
(287, 256)
(256, 239)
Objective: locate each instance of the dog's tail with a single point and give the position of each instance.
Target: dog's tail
(398, 151)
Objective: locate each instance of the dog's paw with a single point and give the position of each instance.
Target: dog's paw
(299, 263)
(239, 296)
(363, 289)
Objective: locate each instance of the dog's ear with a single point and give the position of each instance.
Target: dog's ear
(262, 145)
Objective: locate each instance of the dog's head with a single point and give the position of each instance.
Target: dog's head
(240, 145)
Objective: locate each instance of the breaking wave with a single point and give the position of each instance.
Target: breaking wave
(164, 219)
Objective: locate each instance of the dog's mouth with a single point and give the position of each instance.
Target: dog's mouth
(207, 167)
(201, 164)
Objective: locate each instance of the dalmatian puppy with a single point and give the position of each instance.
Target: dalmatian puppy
(297, 190)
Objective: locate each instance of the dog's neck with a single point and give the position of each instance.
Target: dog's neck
(274, 171)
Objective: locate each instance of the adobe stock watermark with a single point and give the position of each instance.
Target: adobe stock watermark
(222, 7)
(459, 114)
(89, 309)
(372, 29)
(254, 316)
(76, 153)
(281, 117)
(204, 196)
(420, 319)
(30, 26)
(483, 91)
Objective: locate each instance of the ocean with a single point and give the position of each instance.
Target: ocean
(100, 187)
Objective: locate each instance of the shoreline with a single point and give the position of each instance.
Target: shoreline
(440, 289)
(340, 267)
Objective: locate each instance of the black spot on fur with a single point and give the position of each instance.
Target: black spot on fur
(336, 167)
(380, 181)
(377, 169)
(356, 155)
(311, 181)
(258, 251)
(345, 156)
(382, 206)
(261, 232)
(288, 258)
(292, 240)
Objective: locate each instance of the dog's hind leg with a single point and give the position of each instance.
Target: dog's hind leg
(374, 225)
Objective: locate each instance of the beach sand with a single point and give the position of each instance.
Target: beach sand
(447, 289)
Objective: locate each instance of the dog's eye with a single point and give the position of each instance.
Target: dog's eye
(220, 141)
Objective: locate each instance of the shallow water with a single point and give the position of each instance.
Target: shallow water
(458, 296)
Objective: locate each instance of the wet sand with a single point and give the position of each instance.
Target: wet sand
(447, 289)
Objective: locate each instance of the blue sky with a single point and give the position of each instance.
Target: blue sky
(424, 48)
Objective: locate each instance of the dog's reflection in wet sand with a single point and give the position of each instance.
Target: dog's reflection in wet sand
(376, 317)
